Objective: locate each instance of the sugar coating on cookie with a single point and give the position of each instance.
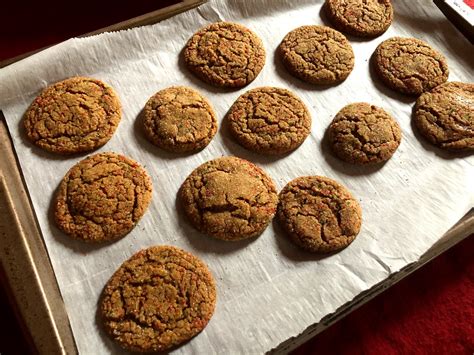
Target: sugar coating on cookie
(75, 115)
(317, 54)
(269, 120)
(363, 134)
(179, 119)
(445, 116)
(409, 65)
(319, 214)
(363, 18)
(229, 198)
(159, 298)
(225, 54)
(102, 198)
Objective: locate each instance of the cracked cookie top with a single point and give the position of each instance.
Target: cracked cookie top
(445, 115)
(319, 214)
(362, 134)
(409, 65)
(225, 54)
(179, 119)
(159, 298)
(229, 198)
(363, 18)
(317, 54)
(269, 120)
(102, 197)
(75, 115)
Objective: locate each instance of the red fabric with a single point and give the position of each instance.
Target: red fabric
(31, 25)
(429, 312)
(469, 3)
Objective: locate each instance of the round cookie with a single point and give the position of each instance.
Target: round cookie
(317, 54)
(363, 18)
(363, 134)
(75, 115)
(179, 119)
(102, 197)
(319, 214)
(225, 54)
(159, 298)
(445, 116)
(409, 65)
(229, 198)
(269, 120)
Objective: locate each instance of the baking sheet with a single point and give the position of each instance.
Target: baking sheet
(268, 290)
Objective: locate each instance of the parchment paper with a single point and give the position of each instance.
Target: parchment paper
(268, 290)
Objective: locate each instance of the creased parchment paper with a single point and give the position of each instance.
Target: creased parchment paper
(268, 290)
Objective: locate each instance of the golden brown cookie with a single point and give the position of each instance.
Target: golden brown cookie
(225, 54)
(75, 115)
(317, 54)
(445, 116)
(179, 119)
(319, 214)
(159, 298)
(363, 134)
(102, 197)
(409, 65)
(269, 120)
(229, 198)
(363, 18)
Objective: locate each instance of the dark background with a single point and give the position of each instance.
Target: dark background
(30, 25)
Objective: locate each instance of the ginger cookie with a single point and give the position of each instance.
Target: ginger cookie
(269, 120)
(319, 214)
(445, 116)
(75, 115)
(409, 65)
(225, 54)
(229, 198)
(317, 54)
(179, 119)
(363, 18)
(102, 198)
(363, 134)
(159, 298)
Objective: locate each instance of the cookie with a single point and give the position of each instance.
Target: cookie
(319, 214)
(225, 54)
(363, 134)
(179, 119)
(269, 120)
(445, 116)
(360, 18)
(102, 197)
(409, 65)
(159, 298)
(317, 54)
(229, 198)
(72, 116)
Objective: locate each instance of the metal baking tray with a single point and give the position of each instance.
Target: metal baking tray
(27, 268)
